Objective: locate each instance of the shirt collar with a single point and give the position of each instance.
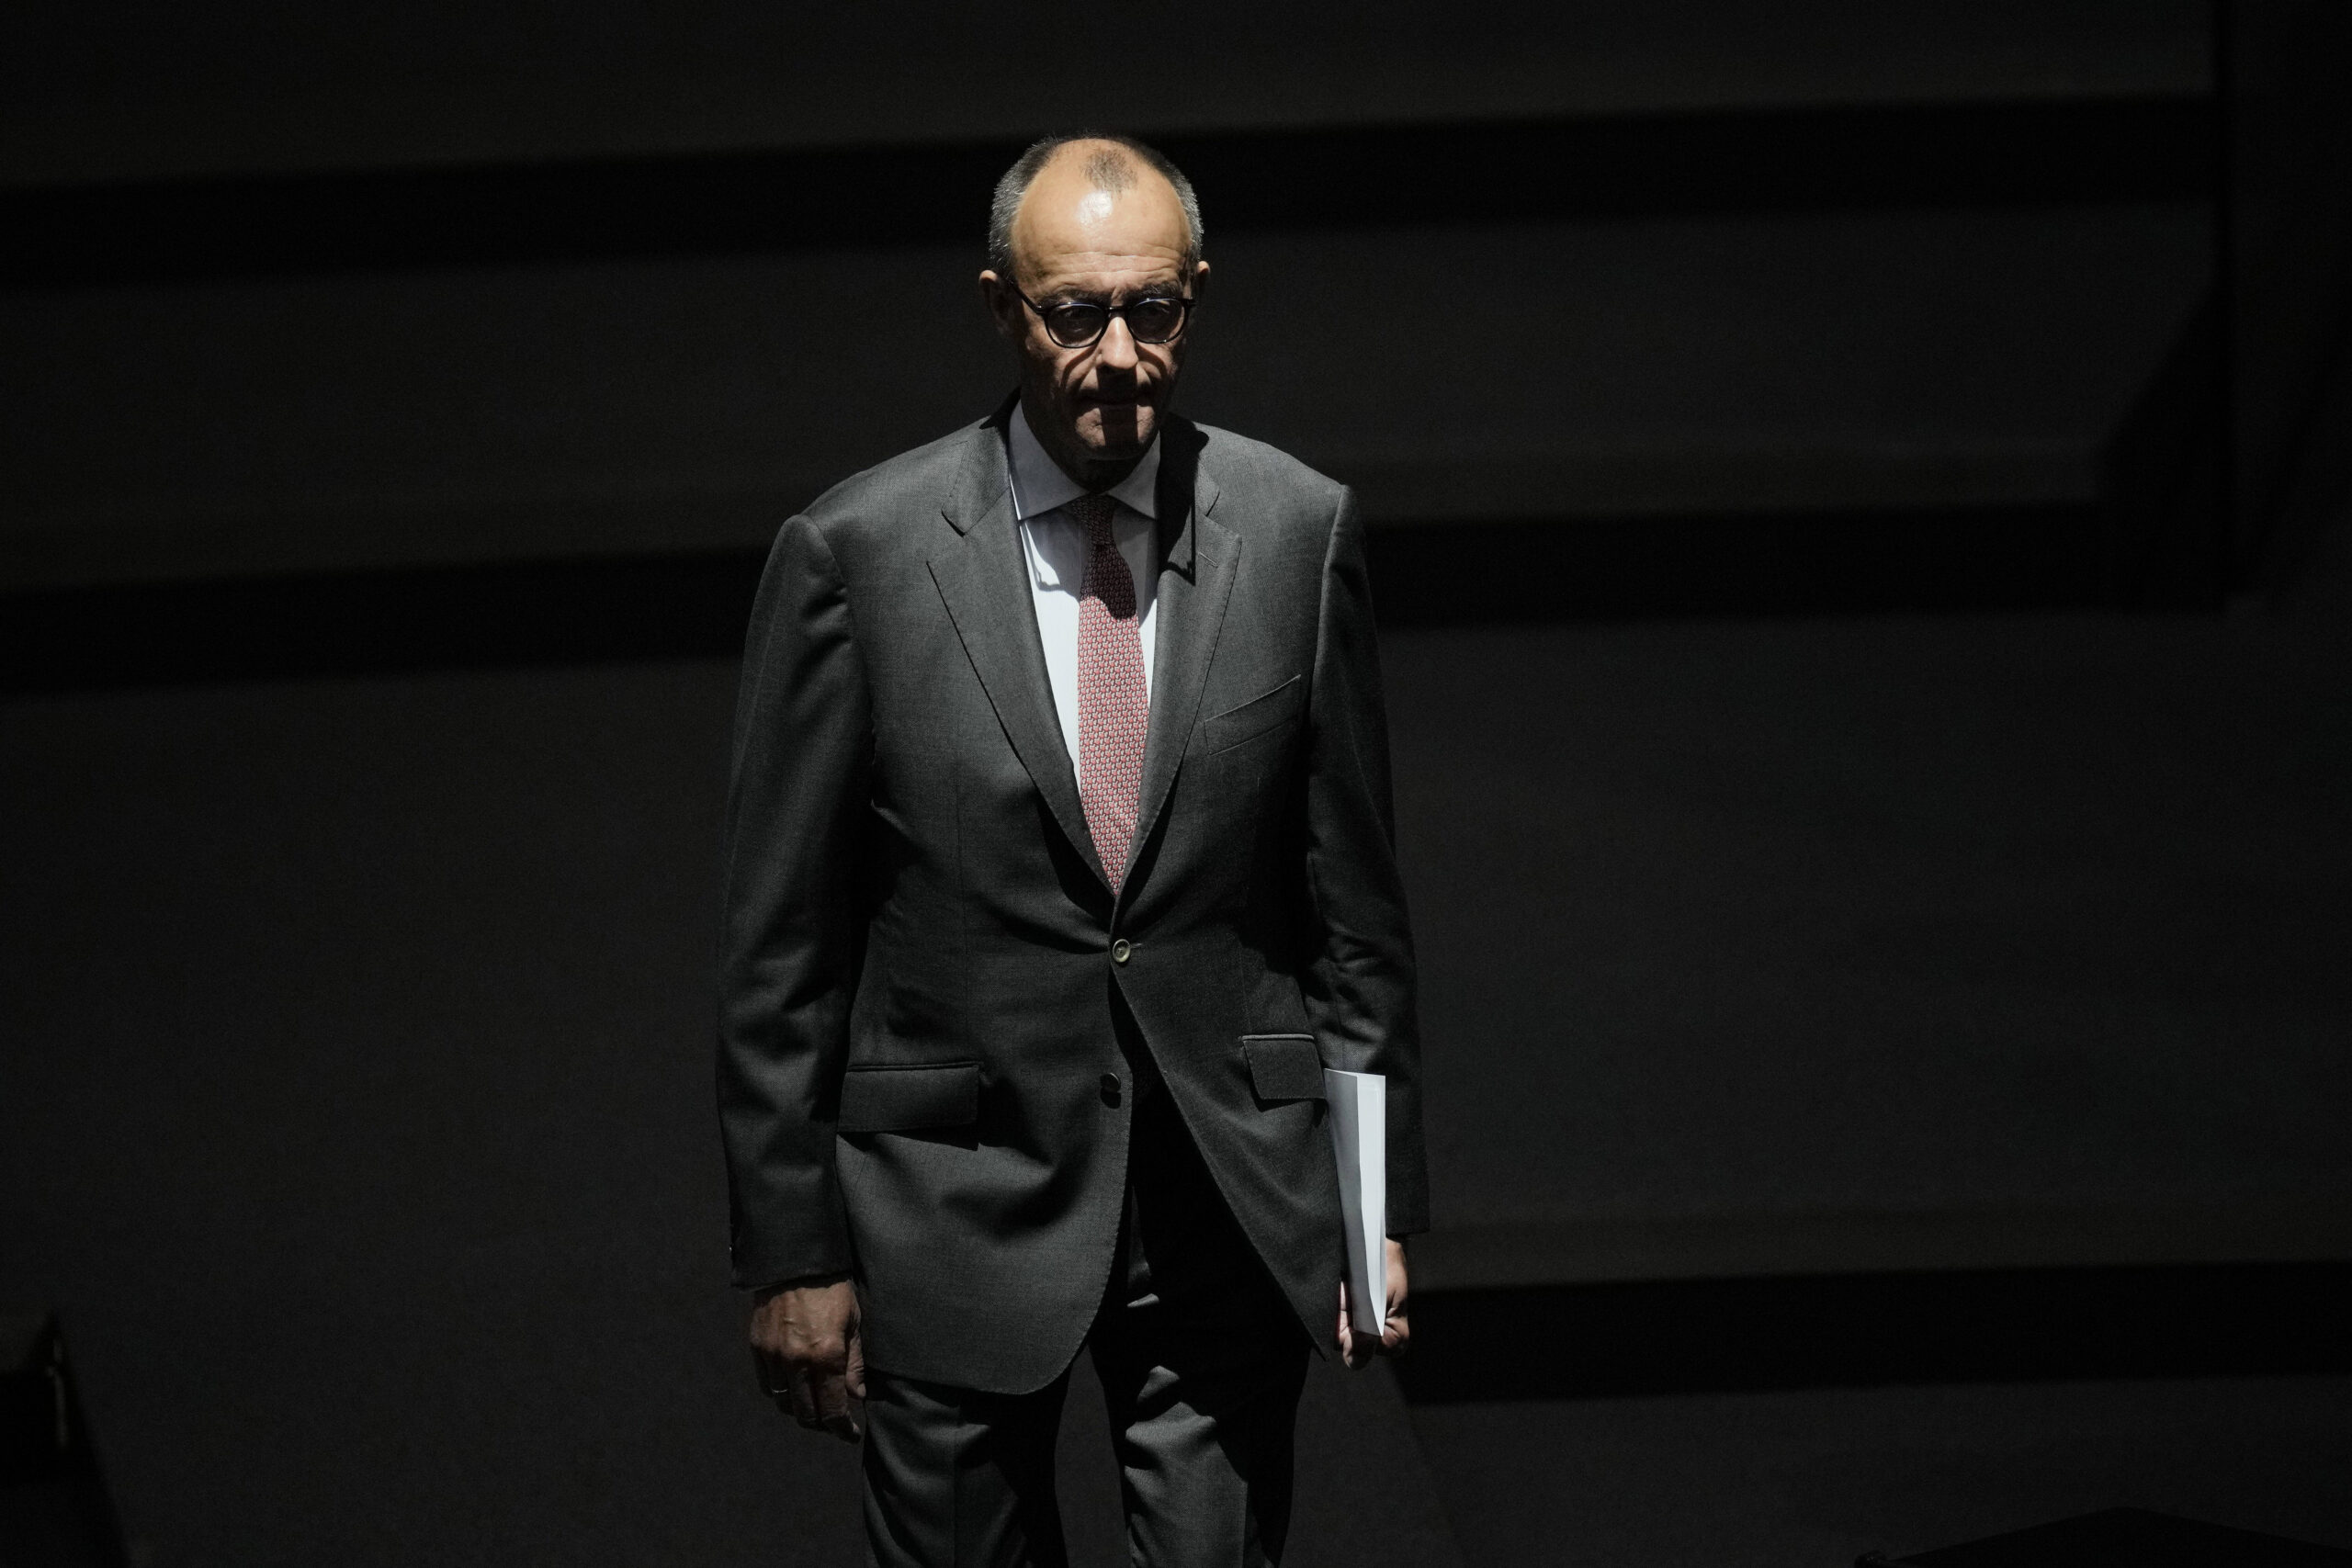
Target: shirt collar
(1039, 485)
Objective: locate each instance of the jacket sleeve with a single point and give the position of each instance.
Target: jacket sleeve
(1360, 990)
(791, 934)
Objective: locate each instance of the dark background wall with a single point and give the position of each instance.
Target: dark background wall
(1859, 498)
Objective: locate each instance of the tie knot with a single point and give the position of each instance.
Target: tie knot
(1094, 514)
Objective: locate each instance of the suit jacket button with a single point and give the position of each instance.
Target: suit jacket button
(1110, 1088)
(1120, 949)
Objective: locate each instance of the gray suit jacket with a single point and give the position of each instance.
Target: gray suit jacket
(920, 946)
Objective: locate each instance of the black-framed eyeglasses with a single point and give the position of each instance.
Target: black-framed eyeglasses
(1079, 323)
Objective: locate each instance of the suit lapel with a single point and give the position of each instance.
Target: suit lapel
(1199, 557)
(985, 582)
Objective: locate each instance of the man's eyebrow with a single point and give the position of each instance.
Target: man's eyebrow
(1173, 288)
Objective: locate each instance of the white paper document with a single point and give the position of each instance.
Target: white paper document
(1359, 1141)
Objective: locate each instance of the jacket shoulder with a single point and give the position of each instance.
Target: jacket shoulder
(880, 500)
(1267, 476)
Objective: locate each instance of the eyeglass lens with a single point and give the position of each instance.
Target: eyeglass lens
(1076, 323)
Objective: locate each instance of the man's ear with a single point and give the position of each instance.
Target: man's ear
(1200, 279)
(998, 298)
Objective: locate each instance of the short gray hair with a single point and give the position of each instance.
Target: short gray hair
(1106, 169)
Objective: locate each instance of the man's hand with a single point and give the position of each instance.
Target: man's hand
(1395, 1334)
(811, 1360)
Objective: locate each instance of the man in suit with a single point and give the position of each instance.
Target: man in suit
(1058, 866)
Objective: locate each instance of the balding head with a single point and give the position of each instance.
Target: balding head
(1103, 161)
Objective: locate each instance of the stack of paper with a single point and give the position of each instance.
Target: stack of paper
(1360, 1139)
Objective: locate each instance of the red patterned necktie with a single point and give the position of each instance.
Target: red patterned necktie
(1114, 707)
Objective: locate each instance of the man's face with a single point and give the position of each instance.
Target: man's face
(1095, 408)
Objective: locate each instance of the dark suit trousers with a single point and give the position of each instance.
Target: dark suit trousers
(1201, 1360)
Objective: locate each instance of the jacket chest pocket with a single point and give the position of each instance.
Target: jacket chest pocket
(1259, 715)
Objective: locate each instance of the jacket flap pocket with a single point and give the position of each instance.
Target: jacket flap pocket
(898, 1099)
(1253, 717)
(1283, 1067)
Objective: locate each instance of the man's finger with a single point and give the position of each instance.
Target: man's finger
(831, 1391)
(837, 1412)
(844, 1423)
(776, 1378)
(804, 1398)
(1396, 1334)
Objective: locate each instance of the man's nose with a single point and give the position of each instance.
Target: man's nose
(1117, 349)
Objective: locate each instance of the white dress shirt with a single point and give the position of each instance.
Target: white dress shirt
(1056, 549)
